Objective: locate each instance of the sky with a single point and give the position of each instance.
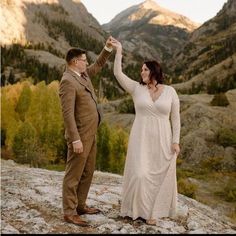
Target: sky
(198, 11)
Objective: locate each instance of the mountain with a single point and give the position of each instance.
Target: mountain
(49, 22)
(35, 35)
(33, 206)
(150, 31)
(210, 44)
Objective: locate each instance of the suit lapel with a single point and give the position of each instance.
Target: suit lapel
(81, 80)
(85, 82)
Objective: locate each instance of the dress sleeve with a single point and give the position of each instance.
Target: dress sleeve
(175, 117)
(125, 82)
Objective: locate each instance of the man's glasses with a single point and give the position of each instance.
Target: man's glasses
(80, 59)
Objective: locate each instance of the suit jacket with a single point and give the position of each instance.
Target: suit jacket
(79, 102)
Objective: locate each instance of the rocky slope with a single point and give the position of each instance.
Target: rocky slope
(210, 44)
(31, 203)
(219, 75)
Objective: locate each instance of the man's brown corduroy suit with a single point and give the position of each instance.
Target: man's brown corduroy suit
(81, 120)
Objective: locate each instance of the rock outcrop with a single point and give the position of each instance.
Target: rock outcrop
(31, 203)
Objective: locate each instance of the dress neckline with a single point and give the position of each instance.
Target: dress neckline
(153, 101)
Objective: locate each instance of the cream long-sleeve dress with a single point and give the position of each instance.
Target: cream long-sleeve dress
(149, 183)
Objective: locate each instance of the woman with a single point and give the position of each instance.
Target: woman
(149, 186)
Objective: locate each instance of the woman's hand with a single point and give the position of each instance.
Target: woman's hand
(116, 44)
(175, 148)
(108, 42)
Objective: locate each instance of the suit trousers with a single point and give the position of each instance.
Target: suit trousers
(78, 176)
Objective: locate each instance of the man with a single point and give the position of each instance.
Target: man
(81, 120)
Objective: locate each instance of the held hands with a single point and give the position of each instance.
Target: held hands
(109, 42)
(116, 44)
(78, 147)
(112, 42)
(175, 148)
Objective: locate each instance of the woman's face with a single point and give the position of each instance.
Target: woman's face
(145, 72)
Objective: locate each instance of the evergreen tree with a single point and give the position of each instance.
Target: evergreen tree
(11, 78)
(3, 80)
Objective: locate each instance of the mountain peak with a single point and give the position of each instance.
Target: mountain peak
(164, 16)
(150, 4)
(154, 6)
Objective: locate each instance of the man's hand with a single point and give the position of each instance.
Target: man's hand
(78, 147)
(116, 44)
(109, 42)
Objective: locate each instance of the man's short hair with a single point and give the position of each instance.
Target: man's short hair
(72, 53)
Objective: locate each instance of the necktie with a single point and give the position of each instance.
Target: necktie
(83, 75)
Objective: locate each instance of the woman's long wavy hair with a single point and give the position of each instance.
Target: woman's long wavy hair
(155, 72)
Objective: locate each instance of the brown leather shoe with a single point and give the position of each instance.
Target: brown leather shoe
(88, 210)
(75, 219)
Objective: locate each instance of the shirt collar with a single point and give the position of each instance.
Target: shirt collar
(76, 72)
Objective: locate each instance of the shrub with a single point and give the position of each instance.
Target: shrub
(226, 137)
(126, 106)
(228, 192)
(212, 163)
(184, 173)
(220, 99)
(111, 148)
(196, 88)
(187, 188)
